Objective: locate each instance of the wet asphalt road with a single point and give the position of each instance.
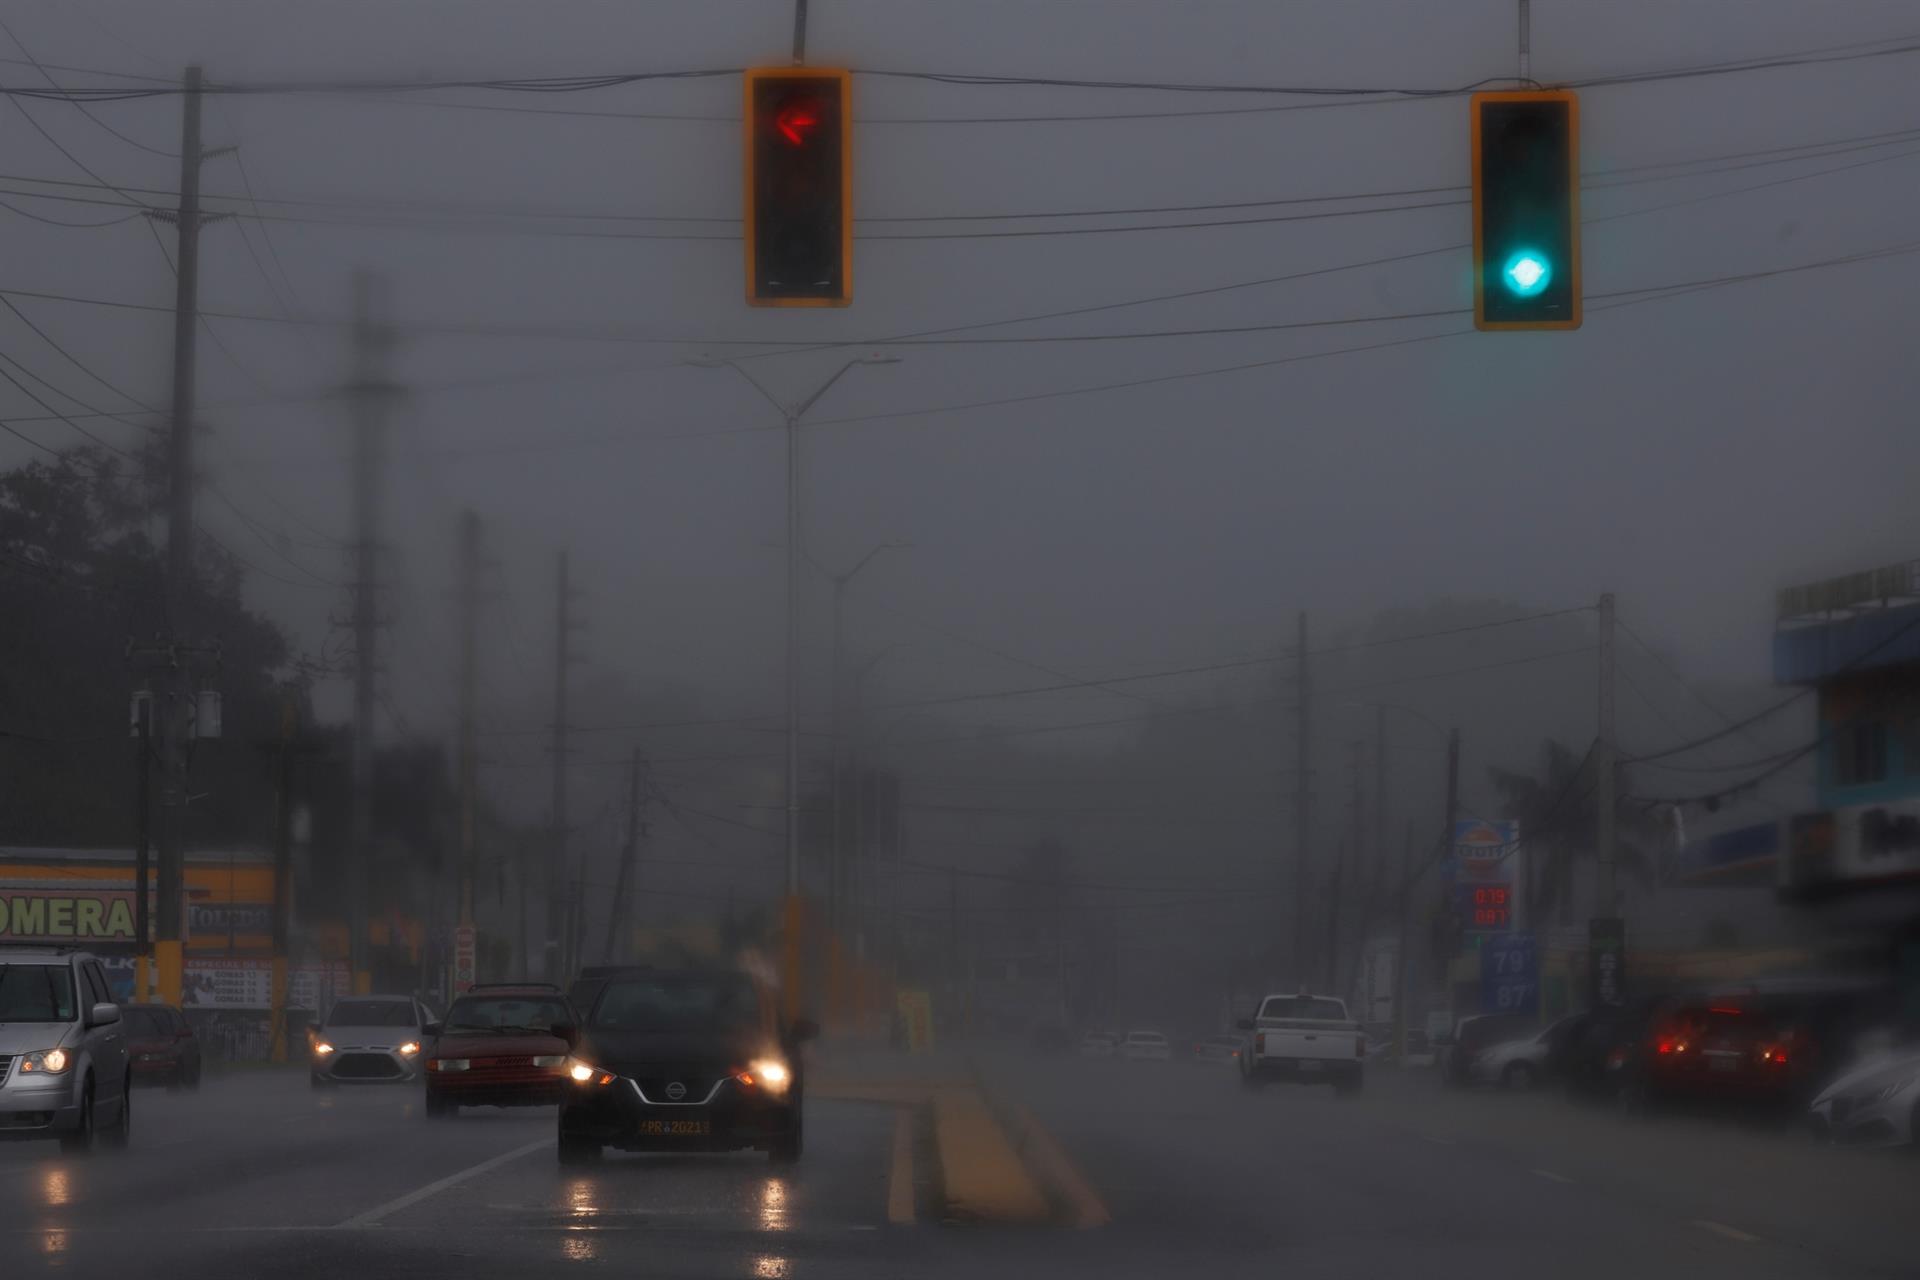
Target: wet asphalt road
(258, 1176)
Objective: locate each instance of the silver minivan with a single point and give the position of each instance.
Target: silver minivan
(63, 1054)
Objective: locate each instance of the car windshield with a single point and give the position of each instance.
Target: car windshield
(371, 1013)
(690, 1002)
(505, 1013)
(151, 1024)
(1312, 1007)
(36, 993)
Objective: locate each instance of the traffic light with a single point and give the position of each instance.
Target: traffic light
(1526, 210)
(799, 187)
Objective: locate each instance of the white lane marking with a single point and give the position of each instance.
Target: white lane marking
(1436, 1140)
(373, 1216)
(1550, 1175)
(1722, 1229)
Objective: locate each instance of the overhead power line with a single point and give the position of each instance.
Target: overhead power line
(153, 87)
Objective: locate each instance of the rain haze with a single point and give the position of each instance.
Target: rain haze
(1151, 642)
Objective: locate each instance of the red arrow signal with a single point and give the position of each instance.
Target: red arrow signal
(794, 122)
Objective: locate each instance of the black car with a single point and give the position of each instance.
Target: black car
(1597, 1053)
(683, 1060)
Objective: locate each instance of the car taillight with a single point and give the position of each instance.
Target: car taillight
(1671, 1046)
(1776, 1054)
(1260, 1042)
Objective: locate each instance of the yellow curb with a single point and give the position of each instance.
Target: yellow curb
(981, 1175)
(1052, 1166)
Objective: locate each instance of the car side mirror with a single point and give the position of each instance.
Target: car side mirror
(566, 1031)
(103, 1015)
(803, 1030)
(431, 1031)
(1243, 1024)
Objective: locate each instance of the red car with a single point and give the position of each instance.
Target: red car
(497, 1048)
(161, 1048)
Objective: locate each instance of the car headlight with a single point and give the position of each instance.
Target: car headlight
(550, 1060)
(49, 1062)
(770, 1074)
(321, 1048)
(449, 1064)
(586, 1073)
(408, 1049)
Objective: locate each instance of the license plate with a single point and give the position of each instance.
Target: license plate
(1309, 1064)
(675, 1128)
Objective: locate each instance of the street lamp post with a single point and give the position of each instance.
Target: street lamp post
(792, 417)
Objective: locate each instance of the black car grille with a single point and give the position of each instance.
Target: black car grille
(365, 1066)
(25, 1119)
(657, 1082)
(6, 1060)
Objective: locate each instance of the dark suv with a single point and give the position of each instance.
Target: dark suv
(683, 1060)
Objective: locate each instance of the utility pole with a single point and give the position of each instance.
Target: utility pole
(469, 692)
(1302, 809)
(177, 681)
(1353, 858)
(282, 878)
(370, 390)
(557, 914)
(799, 32)
(1603, 763)
(1380, 789)
(143, 848)
(620, 921)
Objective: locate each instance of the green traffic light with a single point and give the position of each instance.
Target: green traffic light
(1527, 273)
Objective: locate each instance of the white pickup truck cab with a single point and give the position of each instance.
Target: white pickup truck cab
(1303, 1039)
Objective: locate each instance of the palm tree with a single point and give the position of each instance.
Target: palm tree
(1557, 813)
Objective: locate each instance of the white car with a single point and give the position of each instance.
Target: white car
(1097, 1044)
(1876, 1104)
(1145, 1046)
(1519, 1063)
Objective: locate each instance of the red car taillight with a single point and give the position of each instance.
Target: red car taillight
(1260, 1042)
(1774, 1055)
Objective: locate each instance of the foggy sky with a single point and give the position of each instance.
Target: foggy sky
(1690, 455)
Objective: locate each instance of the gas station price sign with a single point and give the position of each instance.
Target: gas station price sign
(1484, 907)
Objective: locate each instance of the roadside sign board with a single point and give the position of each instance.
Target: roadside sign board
(1607, 960)
(463, 958)
(1510, 975)
(1480, 876)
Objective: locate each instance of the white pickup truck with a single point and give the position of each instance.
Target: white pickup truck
(1304, 1039)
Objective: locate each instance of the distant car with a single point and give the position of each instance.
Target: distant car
(161, 1048)
(1217, 1049)
(1098, 1044)
(1145, 1046)
(1875, 1104)
(63, 1053)
(369, 1040)
(498, 1047)
(1473, 1036)
(1303, 1039)
(1762, 1050)
(1519, 1063)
